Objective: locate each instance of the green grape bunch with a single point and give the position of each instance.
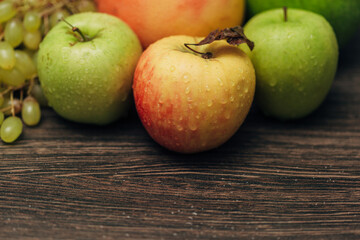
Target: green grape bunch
(23, 25)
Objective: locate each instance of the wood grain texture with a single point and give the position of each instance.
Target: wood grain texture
(272, 180)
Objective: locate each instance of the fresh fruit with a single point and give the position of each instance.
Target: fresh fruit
(14, 32)
(23, 24)
(11, 129)
(7, 10)
(295, 59)
(7, 56)
(154, 19)
(190, 104)
(344, 16)
(32, 21)
(30, 111)
(86, 75)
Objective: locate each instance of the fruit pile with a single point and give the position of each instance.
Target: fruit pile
(23, 24)
(191, 93)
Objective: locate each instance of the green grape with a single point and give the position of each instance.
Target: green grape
(25, 64)
(7, 11)
(12, 77)
(57, 16)
(32, 21)
(7, 104)
(32, 40)
(38, 94)
(7, 56)
(2, 116)
(30, 111)
(86, 6)
(11, 129)
(14, 32)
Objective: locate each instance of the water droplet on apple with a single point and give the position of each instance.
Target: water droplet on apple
(224, 100)
(220, 81)
(187, 90)
(272, 83)
(207, 88)
(161, 100)
(179, 127)
(197, 116)
(186, 78)
(210, 103)
(172, 68)
(189, 99)
(123, 99)
(246, 90)
(227, 115)
(231, 98)
(192, 126)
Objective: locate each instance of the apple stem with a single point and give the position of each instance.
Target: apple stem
(206, 55)
(285, 14)
(76, 29)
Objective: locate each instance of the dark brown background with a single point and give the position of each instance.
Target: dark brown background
(272, 180)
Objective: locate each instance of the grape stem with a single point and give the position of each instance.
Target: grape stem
(13, 89)
(5, 109)
(31, 85)
(12, 103)
(54, 8)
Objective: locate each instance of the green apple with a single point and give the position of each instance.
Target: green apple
(295, 60)
(190, 104)
(343, 15)
(88, 78)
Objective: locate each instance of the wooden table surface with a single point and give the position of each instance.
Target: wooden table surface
(272, 180)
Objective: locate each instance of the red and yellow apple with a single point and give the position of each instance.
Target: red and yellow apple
(154, 19)
(190, 104)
